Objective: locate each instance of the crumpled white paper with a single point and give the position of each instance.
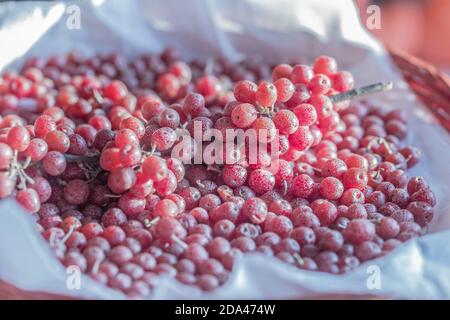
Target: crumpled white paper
(272, 30)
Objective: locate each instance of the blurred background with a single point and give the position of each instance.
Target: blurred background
(420, 27)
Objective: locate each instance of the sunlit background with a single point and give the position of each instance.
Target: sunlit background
(420, 27)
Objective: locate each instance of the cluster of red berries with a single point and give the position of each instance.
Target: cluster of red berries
(86, 147)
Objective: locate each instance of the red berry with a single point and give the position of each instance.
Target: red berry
(6, 155)
(331, 188)
(280, 225)
(155, 168)
(243, 115)
(245, 91)
(355, 178)
(28, 199)
(301, 139)
(302, 186)
(266, 94)
(281, 71)
(326, 65)
(255, 210)
(342, 81)
(18, 138)
(285, 89)
(306, 114)
(234, 175)
(301, 74)
(286, 121)
(325, 211)
(319, 84)
(261, 181)
(359, 230)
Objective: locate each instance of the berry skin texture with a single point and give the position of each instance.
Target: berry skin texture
(245, 91)
(265, 129)
(261, 181)
(302, 186)
(415, 184)
(285, 121)
(331, 188)
(280, 225)
(322, 104)
(334, 168)
(255, 210)
(76, 192)
(367, 250)
(332, 240)
(325, 211)
(342, 81)
(164, 138)
(29, 200)
(301, 74)
(266, 94)
(424, 195)
(325, 65)
(319, 84)
(54, 163)
(166, 208)
(6, 155)
(121, 179)
(18, 138)
(359, 231)
(110, 159)
(115, 90)
(283, 172)
(301, 139)
(306, 114)
(155, 168)
(285, 89)
(357, 161)
(6, 185)
(234, 175)
(281, 71)
(131, 205)
(43, 125)
(125, 137)
(422, 211)
(243, 115)
(57, 141)
(388, 228)
(167, 228)
(208, 86)
(194, 104)
(355, 178)
(130, 155)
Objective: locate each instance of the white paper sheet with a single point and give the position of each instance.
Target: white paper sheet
(275, 31)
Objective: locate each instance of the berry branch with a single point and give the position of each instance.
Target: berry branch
(362, 91)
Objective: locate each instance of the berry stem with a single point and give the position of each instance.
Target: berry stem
(362, 91)
(96, 266)
(150, 223)
(179, 241)
(114, 196)
(68, 234)
(92, 158)
(298, 259)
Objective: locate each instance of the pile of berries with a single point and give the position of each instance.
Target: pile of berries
(87, 147)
